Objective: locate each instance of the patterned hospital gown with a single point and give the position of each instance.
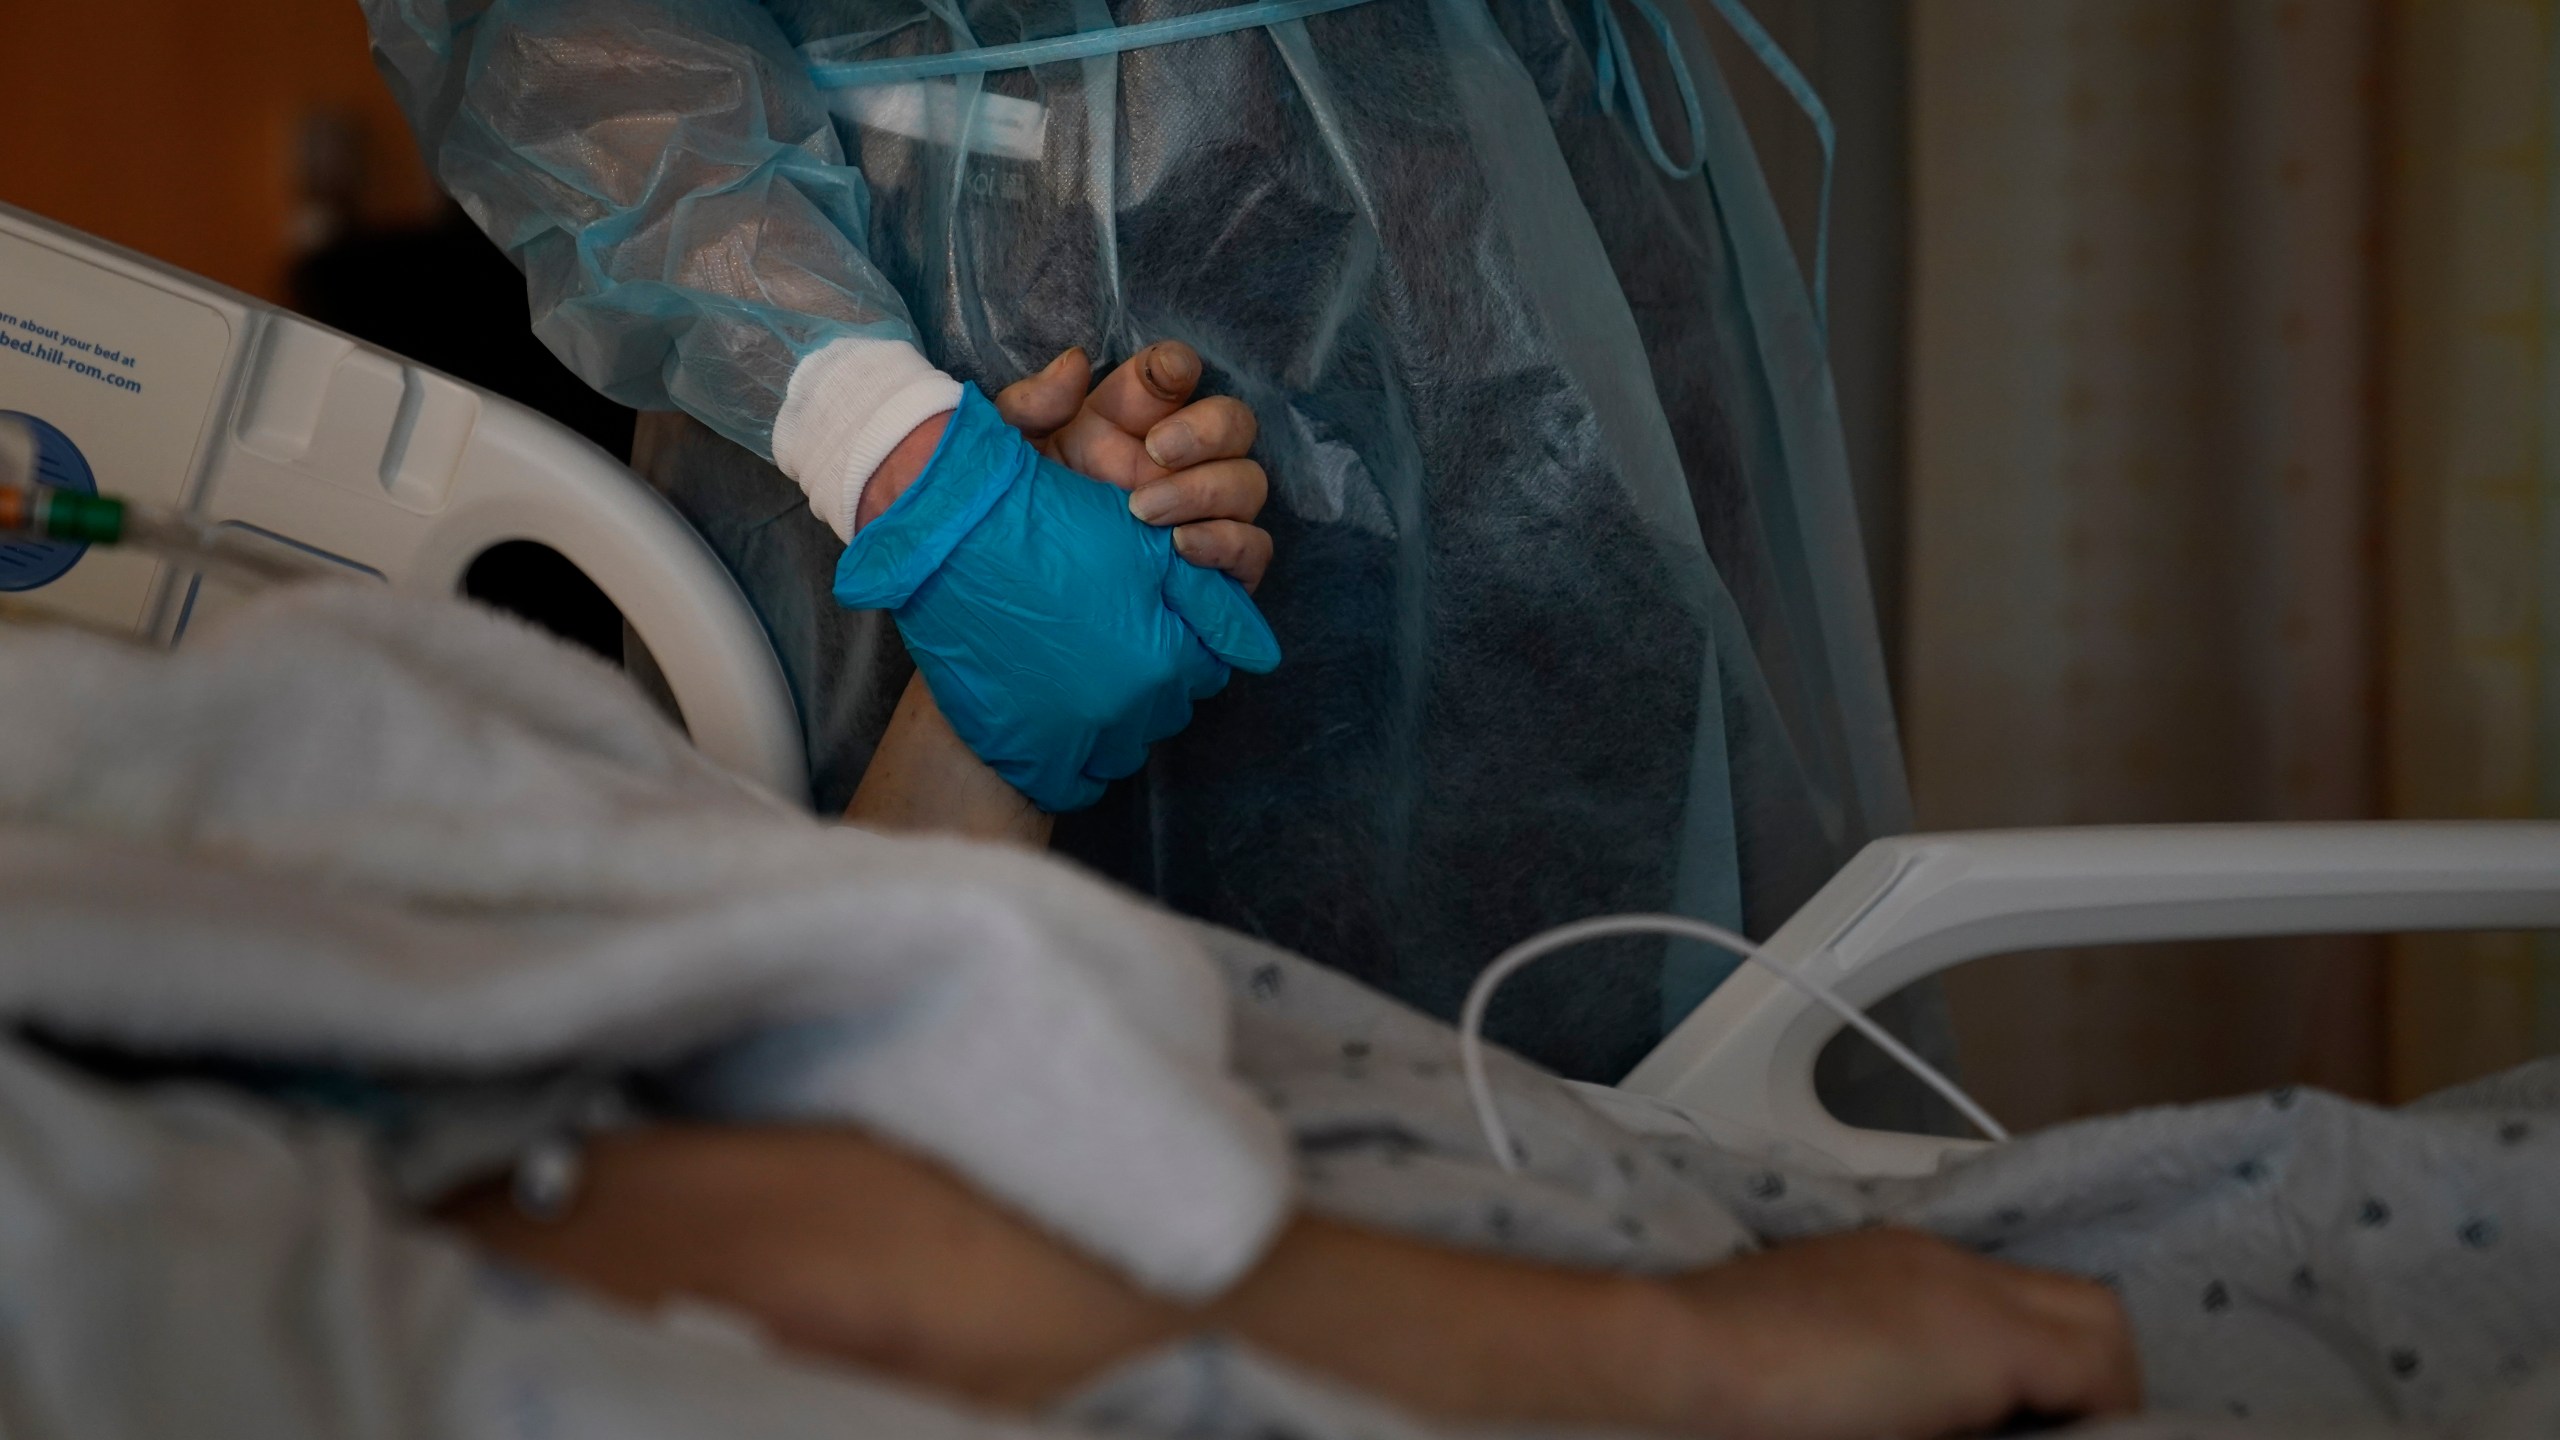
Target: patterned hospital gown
(2292, 1262)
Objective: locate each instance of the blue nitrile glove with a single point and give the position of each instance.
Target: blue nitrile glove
(1060, 634)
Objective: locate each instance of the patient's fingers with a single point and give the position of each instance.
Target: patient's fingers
(1199, 434)
(1149, 386)
(1218, 490)
(1106, 439)
(1218, 428)
(1039, 404)
(2067, 1298)
(1239, 549)
(1889, 1332)
(2089, 1365)
(2078, 1373)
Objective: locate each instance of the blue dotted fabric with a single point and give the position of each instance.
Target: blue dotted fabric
(2286, 1259)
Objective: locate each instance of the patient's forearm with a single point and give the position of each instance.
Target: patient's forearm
(923, 777)
(1466, 1336)
(841, 1246)
(836, 1245)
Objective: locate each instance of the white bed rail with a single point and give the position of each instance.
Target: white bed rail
(1910, 907)
(180, 392)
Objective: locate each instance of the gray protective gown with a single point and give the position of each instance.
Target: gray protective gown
(1567, 574)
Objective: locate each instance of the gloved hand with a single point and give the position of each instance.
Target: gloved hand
(1061, 635)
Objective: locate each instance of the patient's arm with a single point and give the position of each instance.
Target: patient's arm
(847, 1248)
(923, 777)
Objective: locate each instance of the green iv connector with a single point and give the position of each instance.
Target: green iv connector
(238, 554)
(41, 512)
(78, 519)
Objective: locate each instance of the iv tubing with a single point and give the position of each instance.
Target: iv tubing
(1480, 995)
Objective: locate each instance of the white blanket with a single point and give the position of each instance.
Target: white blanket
(348, 825)
(358, 828)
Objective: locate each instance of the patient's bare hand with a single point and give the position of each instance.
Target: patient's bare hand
(1182, 460)
(1890, 1332)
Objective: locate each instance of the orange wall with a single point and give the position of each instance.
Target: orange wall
(170, 125)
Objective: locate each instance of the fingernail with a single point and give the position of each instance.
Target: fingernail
(1170, 369)
(1184, 543)
(1063, 357)
(1154, 503)
(1171, 443)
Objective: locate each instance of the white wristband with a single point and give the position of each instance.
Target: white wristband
(848, 406)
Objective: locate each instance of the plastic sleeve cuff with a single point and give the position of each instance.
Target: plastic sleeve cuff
(848, 405)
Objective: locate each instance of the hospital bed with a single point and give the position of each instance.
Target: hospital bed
(168, 389)
(163, 388)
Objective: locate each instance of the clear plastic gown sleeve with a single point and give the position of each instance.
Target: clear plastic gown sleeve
(666, 177)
